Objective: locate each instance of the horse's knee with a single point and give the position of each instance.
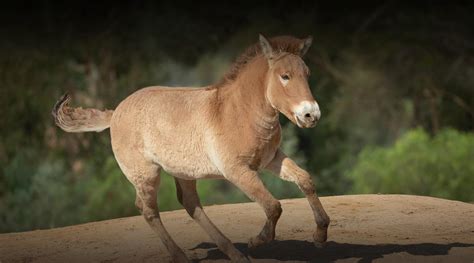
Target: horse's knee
(146, 203)
(278, 210)
(139, 204)
(274, 210)
(306, 184)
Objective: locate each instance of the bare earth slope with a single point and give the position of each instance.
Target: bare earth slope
(364, 228)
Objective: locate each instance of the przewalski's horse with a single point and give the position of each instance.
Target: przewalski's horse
(229, 131)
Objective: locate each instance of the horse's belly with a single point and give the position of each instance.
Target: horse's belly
(185, 164)
(192, 171)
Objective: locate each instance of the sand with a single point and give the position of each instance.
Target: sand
(364, 228)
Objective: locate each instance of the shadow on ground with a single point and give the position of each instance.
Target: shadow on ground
(306, 251)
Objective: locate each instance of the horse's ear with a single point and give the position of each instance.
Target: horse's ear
(266, 48)
(305, 44)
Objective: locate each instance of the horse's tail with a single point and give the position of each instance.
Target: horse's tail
(78, 119)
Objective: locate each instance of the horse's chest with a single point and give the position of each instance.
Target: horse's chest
(264, 148)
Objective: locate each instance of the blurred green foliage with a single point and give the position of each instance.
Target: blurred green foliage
(377, 73)
(439, 166)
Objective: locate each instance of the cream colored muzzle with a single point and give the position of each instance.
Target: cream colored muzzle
(307, 114)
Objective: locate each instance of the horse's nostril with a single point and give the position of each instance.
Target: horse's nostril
(307, 115)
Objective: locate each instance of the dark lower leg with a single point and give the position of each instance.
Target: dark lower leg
(188, 197)
(288, 170)
(146, 192)
(253, 187)
(320, 216)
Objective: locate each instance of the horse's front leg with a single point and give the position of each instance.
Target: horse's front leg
(288, 170)
(249, 182)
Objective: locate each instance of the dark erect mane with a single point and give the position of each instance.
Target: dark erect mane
(279, 44)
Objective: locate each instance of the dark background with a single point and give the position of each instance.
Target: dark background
(395, 82)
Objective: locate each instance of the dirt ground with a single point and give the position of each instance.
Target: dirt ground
(364, 228)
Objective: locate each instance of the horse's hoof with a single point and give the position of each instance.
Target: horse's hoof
(243, 259)
(180, 259)
(320, 237)
(256, 241)
(237, 256)
(319, 244)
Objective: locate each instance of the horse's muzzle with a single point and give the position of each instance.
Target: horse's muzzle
(307, 121)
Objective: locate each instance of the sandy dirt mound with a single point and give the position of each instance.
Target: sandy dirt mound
(364, 228)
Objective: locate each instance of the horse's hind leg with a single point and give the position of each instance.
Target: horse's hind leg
(188, 197)
(146, 179)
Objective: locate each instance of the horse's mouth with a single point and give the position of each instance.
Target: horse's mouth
(303, 123)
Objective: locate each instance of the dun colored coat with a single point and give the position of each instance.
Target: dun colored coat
(229, 131)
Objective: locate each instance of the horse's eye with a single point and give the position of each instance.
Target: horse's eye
(285, 77)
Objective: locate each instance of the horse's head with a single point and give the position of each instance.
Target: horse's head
(287, 84)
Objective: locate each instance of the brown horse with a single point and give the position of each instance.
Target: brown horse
(229, 131)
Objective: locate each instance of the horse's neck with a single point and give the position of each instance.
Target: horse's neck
(246, 97)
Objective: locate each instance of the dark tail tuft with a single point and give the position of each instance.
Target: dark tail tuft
(64, 100)
(78, 119)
